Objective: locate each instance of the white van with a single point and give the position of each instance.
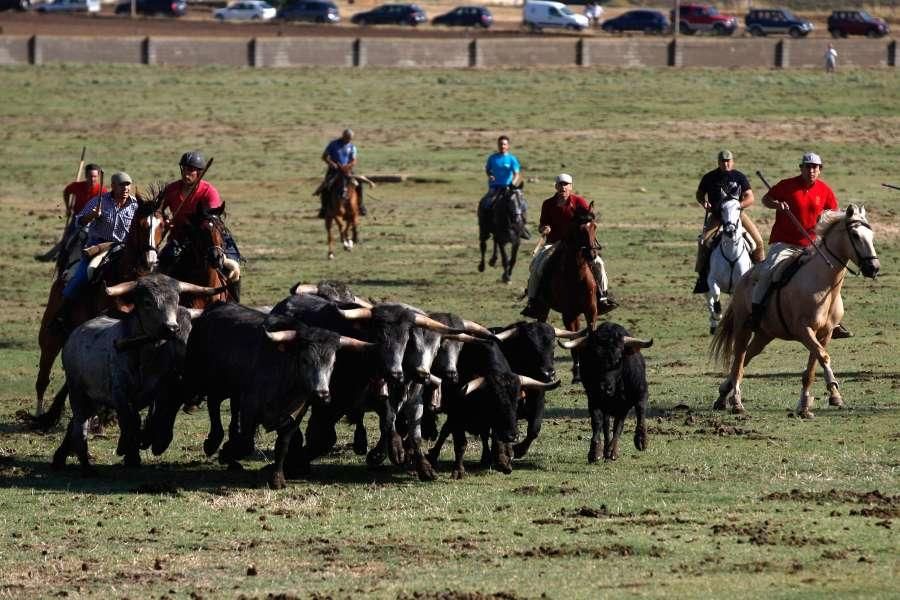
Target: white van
(539, 14)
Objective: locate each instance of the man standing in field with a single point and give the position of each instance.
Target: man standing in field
(75, 196)
(340, 156)
(806, 197)
(716, 187)
(557, 214)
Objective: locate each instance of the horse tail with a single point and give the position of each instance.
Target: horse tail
(722, 345)
(51, 417)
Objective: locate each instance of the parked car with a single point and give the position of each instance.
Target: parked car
(171, 8)
(466, 16)
(842, 23)
(391, 14)
(246, 10)
(314, 11)
(65, 6)
(764, 21)
(539, 14)
(15, 4)
(694, 18)
(648, 21)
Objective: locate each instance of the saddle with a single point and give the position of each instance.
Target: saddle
(102, 256)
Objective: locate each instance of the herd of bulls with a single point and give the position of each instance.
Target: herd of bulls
(328, 354)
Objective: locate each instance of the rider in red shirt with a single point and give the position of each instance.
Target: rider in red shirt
(75, 196)
(555, 223)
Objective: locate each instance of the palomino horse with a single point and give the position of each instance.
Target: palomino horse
(342, 209)
(502, 221)
(573, 288)
(729, 261)
(805, 309)
(137, 257)
(202, 261)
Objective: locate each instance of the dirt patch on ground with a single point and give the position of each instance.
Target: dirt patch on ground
(570, 551)
(767, 534)
(457, 595)
(880, 505)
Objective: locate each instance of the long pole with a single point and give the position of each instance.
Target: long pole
(893, 187)
(799, 225)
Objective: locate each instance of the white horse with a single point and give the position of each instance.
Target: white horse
(729, 260)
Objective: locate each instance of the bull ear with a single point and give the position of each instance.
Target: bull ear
(195, 312)
(635, 343)
(354, 344)
(192, 288)
(507, 334)
(570, 335)
(356, 314)
(121, 289)
(282, 336)
(472, 386)
(304, 288)
(569, 345)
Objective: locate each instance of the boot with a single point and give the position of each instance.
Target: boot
(362, 207)
(322, 208)
(50, 255)
(606, 303)
(757, 311)
(840, 332)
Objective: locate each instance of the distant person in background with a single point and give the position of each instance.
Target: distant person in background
(593, 11)
(830, 59)
(503, 170)
(340, 156)
(75, 196)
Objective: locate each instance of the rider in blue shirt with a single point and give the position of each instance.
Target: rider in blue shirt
(503, 170)
(340, 155)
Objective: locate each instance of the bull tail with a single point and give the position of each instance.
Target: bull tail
(50, 418)
(721, 348)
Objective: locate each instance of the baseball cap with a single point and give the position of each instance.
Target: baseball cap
(811, 158)
(726, 155)
(121, 177)
(563, 178)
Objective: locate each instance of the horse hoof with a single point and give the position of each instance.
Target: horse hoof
(330, 255)
(712, 330)
(738, 409)
(458, 473)
(719, 404)
(806, 414)
(836, 401)
(493, 262)
(481, 267)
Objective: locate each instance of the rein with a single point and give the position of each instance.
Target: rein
(848, 227)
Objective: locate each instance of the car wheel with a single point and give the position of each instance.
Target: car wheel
(24, 4)
(795, 32)
(362, 22)
(320, 19)
(757, 31)
(871, 34)
(533, 28)
(686, 29)
(719, 29)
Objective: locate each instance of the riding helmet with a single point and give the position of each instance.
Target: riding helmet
(192, 159)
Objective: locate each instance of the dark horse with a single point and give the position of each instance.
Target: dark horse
(501, 221)
(136, 257)
(201, 259)
(572, 286)
(342, 209)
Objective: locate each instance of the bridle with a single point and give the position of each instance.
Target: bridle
(849, 226)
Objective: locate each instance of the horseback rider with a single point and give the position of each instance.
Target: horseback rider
(75, 196)
(340, 156)
(557, 216)
(107, 218)
(503, 171)
(716, 187)
(806, 197)
(188, 200)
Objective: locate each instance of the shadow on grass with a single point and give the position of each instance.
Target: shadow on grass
(845, 375)
(392, 282)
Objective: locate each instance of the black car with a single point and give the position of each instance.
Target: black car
(842, 23)
(466, 16)
(392, 14)
(15, 4)
(314, 11)
(171, 8)
(764, 21)
(648, 21)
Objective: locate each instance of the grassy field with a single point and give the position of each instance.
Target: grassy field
(764, 506)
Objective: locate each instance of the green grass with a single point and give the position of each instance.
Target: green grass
(693, 516)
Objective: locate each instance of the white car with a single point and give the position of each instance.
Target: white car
(246, 10)
(541, 14)
(60, 6)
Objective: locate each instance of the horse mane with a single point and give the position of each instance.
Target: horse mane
(829, 219)
(151, 199)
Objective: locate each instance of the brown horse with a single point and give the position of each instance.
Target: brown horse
(202, 261)
(573, 288)
(138, 256)
(342, 210)
(806, 308)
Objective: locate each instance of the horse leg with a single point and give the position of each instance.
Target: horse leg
(818, 352)
(715, 307)
(50, 344)
(513, 253)
(482, 245)
(328, 222)
(493, 261)
(730, 389)
(504, 277)
(806, 398)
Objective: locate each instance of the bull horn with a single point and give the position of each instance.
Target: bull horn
(434, 380)
(528, 382)
(570, 335)
(475, 327)
(472, 386)
(192, 288)
(282, 336)
(304, 288)
(362, 302)
(633, 343)
(461, 337)
(505, 335)
(571, 343)
(195, 312)
(353, 343)
(356, 314)
(121, 289)
(434, 325)
(232, 269)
